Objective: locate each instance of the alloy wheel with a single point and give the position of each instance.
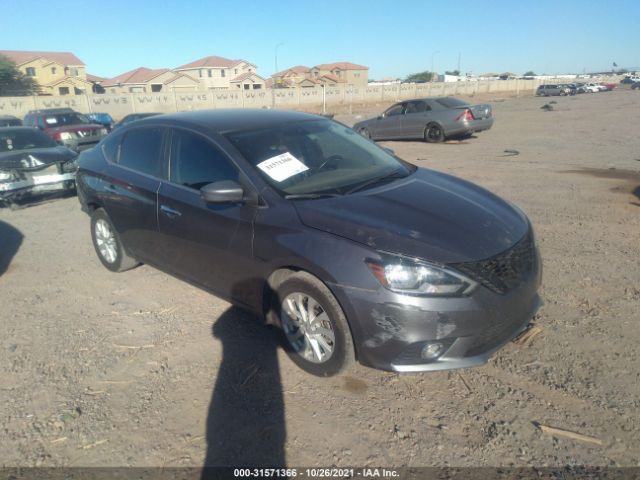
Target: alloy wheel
(307, 327)
(106, 241)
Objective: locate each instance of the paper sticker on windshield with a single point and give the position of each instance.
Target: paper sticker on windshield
(282, 167)
(51, 120)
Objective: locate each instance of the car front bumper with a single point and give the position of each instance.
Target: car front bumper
(36, 184)
(391, 330)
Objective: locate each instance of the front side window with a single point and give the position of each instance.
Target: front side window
(195, 162)
(141, 150)
(313, 157)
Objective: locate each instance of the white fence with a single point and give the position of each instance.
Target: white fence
(294, 98)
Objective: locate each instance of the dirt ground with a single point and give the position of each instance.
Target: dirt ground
(140, 369)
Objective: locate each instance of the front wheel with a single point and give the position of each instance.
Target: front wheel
(107, 244)
(365, 133)
(433, 133)
(315, 332)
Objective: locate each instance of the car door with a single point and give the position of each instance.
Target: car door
(130, 188)
(415, 119)
(208, 244)
(388, 125)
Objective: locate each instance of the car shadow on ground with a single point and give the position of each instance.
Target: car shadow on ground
(245, 424)
(10, 241)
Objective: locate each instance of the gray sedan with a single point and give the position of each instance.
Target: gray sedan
(431, 119)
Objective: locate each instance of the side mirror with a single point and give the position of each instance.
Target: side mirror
(380, 117)
(224, 191)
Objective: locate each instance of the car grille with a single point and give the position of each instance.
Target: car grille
(505, 271)
(492, 337)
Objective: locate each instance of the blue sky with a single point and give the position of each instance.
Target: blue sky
(393, 38)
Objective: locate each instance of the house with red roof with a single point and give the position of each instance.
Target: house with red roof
(220, 73)
(57, 73)
(148, 80)
(328, 74)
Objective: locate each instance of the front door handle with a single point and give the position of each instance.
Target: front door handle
(170, 212)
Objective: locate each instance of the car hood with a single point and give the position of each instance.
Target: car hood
(34, 159)
(427, 215)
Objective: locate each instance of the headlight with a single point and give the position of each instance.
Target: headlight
(416, 278)
(70, 166)
(6, 176)
(65, 136)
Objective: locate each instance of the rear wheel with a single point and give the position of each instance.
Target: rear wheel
(433, 133)
(315, 332)
(107, 244)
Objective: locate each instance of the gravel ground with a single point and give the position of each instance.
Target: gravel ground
(140, 369)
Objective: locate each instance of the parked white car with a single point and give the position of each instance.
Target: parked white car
(592, 88)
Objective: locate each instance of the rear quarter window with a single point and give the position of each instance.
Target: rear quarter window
(141, 150)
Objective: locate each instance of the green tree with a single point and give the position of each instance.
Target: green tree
(14, 83)
(425, 76)
(530, 73)
(453, 72)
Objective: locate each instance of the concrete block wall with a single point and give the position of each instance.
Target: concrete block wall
(119, 105)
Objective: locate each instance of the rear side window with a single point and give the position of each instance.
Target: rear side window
(416, 107)
(141, 150)
(450, 102)
(195, 162)
(111, 147)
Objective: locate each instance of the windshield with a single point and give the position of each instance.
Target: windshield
(24, 139)
(315, 157)
(61, 119)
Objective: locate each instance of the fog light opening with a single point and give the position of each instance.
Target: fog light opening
(432, 350)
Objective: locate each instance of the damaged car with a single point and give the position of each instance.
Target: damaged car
(33, 165)
(352, 252)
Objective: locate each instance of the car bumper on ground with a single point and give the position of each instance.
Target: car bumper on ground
(397, 332)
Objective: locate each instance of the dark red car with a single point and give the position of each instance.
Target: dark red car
(67, 127)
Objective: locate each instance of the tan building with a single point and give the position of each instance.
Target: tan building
(329, 74)
(218, 72)
(147, 80)
(57, 73)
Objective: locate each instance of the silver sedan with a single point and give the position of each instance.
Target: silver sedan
(431, 119)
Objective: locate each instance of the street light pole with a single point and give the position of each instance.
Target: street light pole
(433, 56)
(276, 55)
(274, 83)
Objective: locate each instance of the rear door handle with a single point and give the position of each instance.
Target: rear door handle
(170, 212)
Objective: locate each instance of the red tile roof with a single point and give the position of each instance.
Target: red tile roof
(296, 69)
(341, 66)
(95, 78)
(180, 75)
(244, 76)
(212, 62)
(332, 78)
(138, 75)
(21, 56)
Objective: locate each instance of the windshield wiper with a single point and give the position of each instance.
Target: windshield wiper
(311, 196)
(373, 181)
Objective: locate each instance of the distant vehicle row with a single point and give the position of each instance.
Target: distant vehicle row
(563, 89)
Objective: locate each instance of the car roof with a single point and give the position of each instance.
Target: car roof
(18, 127)
(8, 117)
(232, 119)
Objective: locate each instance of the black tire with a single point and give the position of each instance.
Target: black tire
(120, 261)
(343, 354)
(365, 133)
(433, 133)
